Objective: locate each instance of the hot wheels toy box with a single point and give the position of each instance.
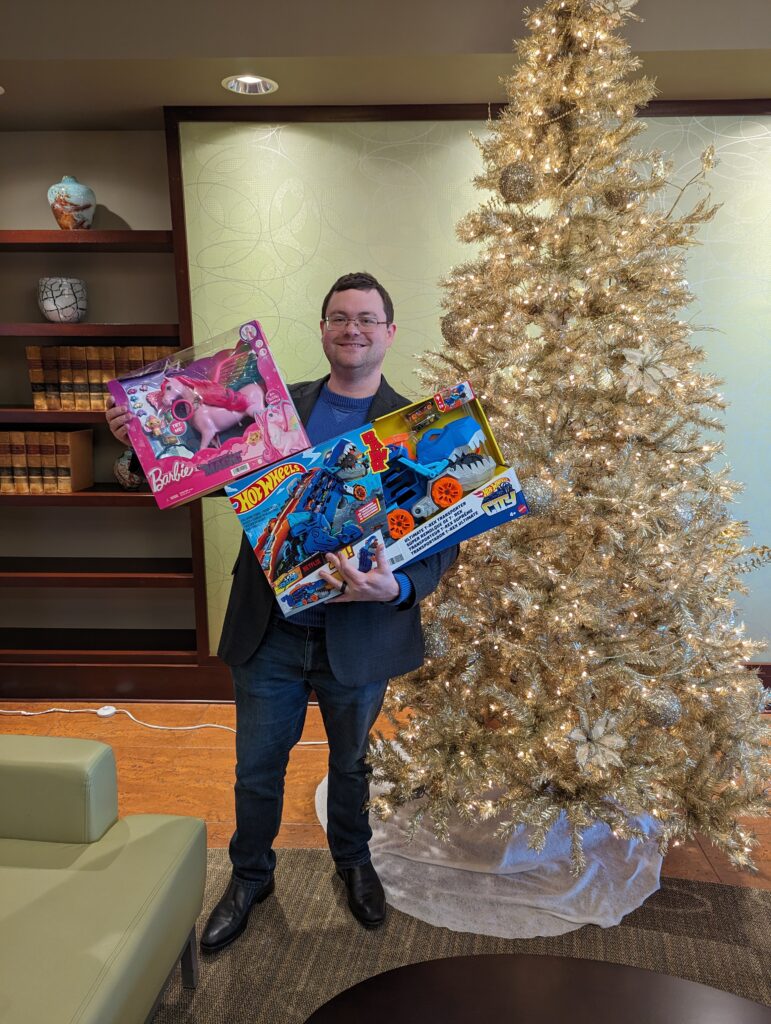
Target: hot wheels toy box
(421, 479)
(209, 414)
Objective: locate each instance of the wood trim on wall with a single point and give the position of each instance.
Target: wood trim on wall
(420, 112)
(199, 582)
(179, 232)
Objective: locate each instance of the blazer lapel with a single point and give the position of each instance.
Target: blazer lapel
(385, 400)
(305, 396)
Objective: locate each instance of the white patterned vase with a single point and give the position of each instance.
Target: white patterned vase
(72, 204)
(62, 300)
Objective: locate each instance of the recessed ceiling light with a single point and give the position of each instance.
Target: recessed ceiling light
(249, 85)
(2, 90)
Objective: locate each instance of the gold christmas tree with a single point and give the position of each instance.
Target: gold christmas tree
(585, 659)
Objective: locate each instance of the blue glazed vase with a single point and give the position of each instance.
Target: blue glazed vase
(72, 204)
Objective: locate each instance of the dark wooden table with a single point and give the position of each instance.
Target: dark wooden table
(512, 989)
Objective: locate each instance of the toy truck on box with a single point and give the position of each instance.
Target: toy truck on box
(421, 479)
(448, 462)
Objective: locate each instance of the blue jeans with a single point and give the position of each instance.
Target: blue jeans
(271, 691)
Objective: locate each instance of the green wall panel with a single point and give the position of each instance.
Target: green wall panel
(275, 213)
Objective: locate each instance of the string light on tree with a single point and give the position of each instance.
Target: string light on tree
(585, 659)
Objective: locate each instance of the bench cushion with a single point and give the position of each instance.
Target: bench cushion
(89, 932)
(55, 789)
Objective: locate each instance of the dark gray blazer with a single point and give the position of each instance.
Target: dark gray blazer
(367, 641)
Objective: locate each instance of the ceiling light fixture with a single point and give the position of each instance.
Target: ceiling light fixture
(249, 85)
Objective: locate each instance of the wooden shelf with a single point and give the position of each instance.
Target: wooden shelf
(96, 572)
(97, 646)
(102, 331)
(98, 495)
(57, 240)
(26, 414)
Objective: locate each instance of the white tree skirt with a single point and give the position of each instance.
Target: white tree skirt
(477, 883)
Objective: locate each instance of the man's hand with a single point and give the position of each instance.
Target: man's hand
(379, 584)
(118, 418)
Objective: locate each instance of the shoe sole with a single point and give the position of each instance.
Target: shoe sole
(369, 925)
(216, 947)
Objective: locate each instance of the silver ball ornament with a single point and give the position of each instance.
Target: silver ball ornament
(539, 495)
(451, 331)
(517, 183)
(662, 708)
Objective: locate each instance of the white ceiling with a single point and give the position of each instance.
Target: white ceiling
(102, 64)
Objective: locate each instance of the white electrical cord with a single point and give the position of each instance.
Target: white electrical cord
(107, 711)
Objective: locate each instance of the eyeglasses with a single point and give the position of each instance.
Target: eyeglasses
(365, 323)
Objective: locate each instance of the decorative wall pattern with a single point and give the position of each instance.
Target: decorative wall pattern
(275, 213)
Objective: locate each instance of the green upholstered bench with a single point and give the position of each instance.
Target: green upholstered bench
(95, 912)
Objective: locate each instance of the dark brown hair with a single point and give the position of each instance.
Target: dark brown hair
(363, 282)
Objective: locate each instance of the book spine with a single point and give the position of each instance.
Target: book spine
(81, 459)
(121, 361)
(6, 468)
(65, 378)
(80, 378)
(136, 358)
(48, 461)
(63, 469)
(36, 379)
(34, 462)
(19, 462)
(50, 360)
(108, 370)
(94, 377)
(150, 354)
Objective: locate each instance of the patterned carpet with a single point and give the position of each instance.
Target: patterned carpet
(302, 946)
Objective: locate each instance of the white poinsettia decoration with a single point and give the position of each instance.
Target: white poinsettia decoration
(597, 744)
(708, 159)
(613, 6)
(645, 369)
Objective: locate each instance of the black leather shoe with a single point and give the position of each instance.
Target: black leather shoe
(366, 898)
(229, 917)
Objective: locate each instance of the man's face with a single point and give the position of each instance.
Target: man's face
(351, 348)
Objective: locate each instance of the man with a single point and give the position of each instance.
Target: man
(346, 650)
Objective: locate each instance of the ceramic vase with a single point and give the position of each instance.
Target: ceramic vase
(62, 300)
(72, 204)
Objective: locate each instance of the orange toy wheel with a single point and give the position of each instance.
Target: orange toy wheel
(359, 492)
(400, 522)
(446, 491)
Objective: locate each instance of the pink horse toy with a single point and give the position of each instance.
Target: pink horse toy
(208, 406)
(284, 430)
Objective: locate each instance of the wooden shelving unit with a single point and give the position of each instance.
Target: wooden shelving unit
(26, 414)
(100, 495)
(96, 572)
(98, 646)
(37, 662)
(86, 241)
(104, 332)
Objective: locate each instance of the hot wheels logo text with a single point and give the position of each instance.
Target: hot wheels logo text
(258, 491)
(179, 470)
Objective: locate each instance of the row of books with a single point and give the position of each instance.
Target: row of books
(74, 377)
(46, 461)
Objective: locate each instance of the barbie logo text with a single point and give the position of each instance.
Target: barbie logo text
(158, 480)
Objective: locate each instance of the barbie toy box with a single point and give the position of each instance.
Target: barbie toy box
(419, 479)
(206, 415)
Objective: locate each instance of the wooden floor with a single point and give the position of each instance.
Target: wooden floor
(191, 772)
